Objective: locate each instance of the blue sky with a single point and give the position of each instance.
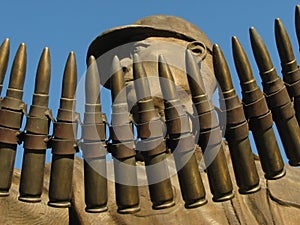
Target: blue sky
(66, 26)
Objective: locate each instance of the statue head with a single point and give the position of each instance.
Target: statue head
(149, 37)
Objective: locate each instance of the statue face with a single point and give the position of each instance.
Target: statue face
(173, 51)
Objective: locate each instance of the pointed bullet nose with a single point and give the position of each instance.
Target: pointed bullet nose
(4, 56)
(117, 82)
(167, 84)
(70, 78)
(283, 43)
(141, 85)
(92, 82)
(221, 70)
(261, 54)
(42, 81)
(241, 61)
(18, 71)
(193, 73)
(297, 22)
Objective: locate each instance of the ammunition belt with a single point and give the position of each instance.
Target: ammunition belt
(152, 129)
(211, 137)
(235, 115)
(94, 132)
(208, 120)
(203, 106)
(257, 108)
(94, 117)
(147, 115)
(9, 136)
(294, 88)
(67, 115)
(238, 132)
(122, 150)
(182, 144)
(65, 130)
(64, 146)
(11, 119)
(151, 147)
(284, 112)
(291, 75)
(37, 125)
(13, 104)
(121, 132)
(179, 125)
(93, 149)
(279, 98)
(252, 96)
(35, 142)
(119, 118)
(261, 123)
(274, 85)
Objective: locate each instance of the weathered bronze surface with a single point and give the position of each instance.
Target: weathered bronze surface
(36, 134)
(236, 128)
(122, 146)
(290, 68)
(4, 55)
(210, 136)
(94, 146)
(11, 115)
(278, 100)
(150, 132)
(181, 140)
(258, 115)
(64, 144)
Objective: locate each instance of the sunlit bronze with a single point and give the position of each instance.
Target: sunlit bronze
(36, 135)
(236, 128)
(258, 115)
(278, 100)
(11, 115)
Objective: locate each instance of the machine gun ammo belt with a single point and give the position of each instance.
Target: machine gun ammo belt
(208, 120)
(65, 130)
(122, 150)
(152, 129)
(179, 125)
(13, 104)
(256, 108)
(151, 147)
(284, 112)
(9, 136)
(121, 133)
(67, 115)
(293, 88)
(235, 115)
(279, 98)
(238, 132)
(94, 132)
(64, 146)
(35, 142)
(11, 119)
(261, 123)
(182, 144)
(93, 149)
(212, 136)
(94, 117)
(37, 125)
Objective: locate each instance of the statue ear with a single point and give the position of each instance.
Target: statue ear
(198, 48)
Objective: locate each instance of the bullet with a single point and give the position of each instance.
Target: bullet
(36, 135)
(278, 100)
(181, 141)
(297, 22)
(4, 56)
(210, 137)
(64, 144)
(258, 115)
(94, 146)
(11, 116)
(151, 142)
(122, 146)
(237, 129)
(290, 69)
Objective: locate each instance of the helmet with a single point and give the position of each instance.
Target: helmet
(151, 26)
